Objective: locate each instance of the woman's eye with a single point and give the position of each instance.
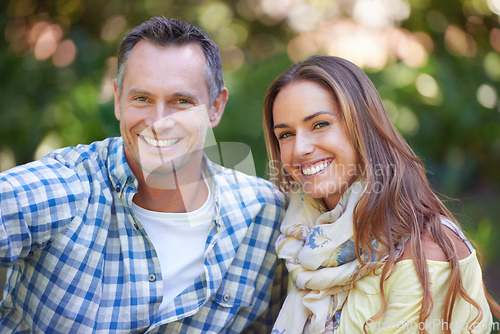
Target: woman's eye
(284, 135)
(321, 125)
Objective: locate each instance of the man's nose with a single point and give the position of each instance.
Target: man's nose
(159, 114)
(162, 110)
(159, 117)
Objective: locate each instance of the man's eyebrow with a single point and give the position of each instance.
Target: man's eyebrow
(135, 91)
(185, 94)
(306, 119)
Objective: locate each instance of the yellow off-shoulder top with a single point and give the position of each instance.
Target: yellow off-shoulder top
(403, 293)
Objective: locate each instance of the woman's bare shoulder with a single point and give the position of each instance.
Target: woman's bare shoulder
(432, 250)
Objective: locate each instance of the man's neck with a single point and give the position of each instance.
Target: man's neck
(182, 191)
(184, 198)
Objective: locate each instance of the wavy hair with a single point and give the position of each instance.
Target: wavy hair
(397, 203)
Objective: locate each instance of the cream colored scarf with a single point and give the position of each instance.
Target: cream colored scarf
(318, 247)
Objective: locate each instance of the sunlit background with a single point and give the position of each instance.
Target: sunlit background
(436, 65)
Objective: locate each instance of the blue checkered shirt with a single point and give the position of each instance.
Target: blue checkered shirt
(81, 262)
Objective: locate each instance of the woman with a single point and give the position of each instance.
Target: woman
(369, 246)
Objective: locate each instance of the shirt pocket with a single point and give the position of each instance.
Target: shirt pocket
(235, 291)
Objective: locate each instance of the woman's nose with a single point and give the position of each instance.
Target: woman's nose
(304, 145)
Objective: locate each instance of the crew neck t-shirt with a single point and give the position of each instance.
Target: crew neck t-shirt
(179, 240)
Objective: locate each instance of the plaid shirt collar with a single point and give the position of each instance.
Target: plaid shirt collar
(121, 175)
(119, 171)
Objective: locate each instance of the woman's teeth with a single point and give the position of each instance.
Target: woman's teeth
(161, 143)
(311, 170)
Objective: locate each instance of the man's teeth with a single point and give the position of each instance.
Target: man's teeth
(161, 143)
(315, 169)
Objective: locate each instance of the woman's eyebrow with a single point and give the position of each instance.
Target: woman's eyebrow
(308, 118)
(278, 126)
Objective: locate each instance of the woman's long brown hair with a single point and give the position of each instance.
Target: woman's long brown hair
(398, 202)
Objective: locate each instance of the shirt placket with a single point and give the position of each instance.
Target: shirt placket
(153, 275)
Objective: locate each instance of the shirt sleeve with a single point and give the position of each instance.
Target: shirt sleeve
(37, 201)
(14, 232)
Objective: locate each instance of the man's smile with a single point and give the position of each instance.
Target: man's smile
(161, 143)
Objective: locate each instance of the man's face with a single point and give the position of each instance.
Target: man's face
(164, 109)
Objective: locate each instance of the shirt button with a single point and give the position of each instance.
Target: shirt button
(226, 297)
(136, 226)
(152, 277)
(118, 189)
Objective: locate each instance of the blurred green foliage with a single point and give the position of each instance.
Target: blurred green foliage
(446, 105)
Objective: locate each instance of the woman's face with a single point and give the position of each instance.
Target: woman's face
(314, 147)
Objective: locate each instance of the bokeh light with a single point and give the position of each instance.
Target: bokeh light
(301, 47)
(65, 54)
(436, 20)
(459, 43)
(487, 96)
(495, 39)
(380, 13)
(107, 91)
(428, 87)
(304, 18)
(50, 142)
(46, 37)
(492, 65)
(494, 6)
(7, 158)
(408, 122)
(232, 58)
(214, 15)
(276, 9)
(113, 28)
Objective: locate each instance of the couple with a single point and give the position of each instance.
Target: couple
(143, 233)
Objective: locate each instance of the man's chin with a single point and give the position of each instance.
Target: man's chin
(171, 173)
(158, 173)
(159, 180)
(168, 176)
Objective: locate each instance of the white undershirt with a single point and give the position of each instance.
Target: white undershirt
(179, 240)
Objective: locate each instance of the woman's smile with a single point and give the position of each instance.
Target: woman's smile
(315, 168)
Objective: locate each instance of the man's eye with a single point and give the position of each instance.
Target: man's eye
(141, 98)
(182, 101)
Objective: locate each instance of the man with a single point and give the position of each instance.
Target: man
(143, 233)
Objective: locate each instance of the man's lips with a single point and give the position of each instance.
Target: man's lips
(316, 167)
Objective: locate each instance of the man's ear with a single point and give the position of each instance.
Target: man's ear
(218, 108)
(117, 100)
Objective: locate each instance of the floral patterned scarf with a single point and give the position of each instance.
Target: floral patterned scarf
(318, 247)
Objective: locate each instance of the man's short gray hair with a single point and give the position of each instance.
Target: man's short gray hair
(170, 32)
